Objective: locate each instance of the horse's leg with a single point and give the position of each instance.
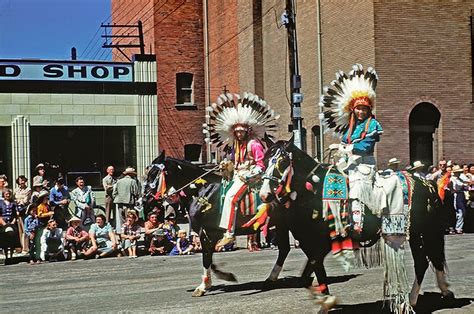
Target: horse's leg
(207, 251)
(283, 238)
(421, 264)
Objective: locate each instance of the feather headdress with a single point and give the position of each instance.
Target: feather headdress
(345, 93)
(230, 112)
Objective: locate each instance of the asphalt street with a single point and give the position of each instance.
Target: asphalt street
(165, 284)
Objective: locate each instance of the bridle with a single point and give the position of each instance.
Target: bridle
(282, 177)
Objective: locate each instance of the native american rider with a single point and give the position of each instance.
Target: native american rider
(240, 123)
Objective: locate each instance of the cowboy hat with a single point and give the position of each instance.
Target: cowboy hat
(456, 168)
(130, 170)
(393, 161)
(417, 164)
(74, 218)
(133, 213)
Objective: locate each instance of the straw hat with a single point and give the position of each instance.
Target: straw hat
(417, 164)
(393, 161)
(40, 165)
(159, 232)
(133, 213)
(73, 219)
(130, 171)
(457, 168)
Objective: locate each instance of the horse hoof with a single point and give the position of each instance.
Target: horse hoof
(448, 294)
(198, 292)
(330, 302)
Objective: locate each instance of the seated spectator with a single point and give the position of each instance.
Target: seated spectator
(130, 234)
(196, 241)
(9, 215)
(102, 237)
(171, 228)
(160, 245)
(183, 245)
(52, 248)
(151, 225)
(77, 239)
(31, 227)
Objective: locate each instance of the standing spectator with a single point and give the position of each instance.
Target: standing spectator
(31, 227)
(102, 238)
(76, 238)
(3, 184)
(37, 187)
(22, 195)
(52, 248)
(40, 176)
(416, 169)
(160, 245)
(183, 245)
(458, 187)
(126, 192)
(59, 199)
(130, 234)
(108, 183)
(84, 200)
(9, 216)
(44, 215)
(440, 172)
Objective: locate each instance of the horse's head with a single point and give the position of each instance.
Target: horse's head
(290, 171)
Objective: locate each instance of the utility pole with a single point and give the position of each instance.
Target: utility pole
(288, 18)
(118, 45)
(320, 77)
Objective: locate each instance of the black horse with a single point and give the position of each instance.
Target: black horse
(203, 202)
(302, 211)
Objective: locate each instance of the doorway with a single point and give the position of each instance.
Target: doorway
(424, 120)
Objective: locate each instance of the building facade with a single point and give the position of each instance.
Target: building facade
(77, 117)
(422, 51)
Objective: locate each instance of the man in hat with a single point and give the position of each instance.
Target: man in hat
(108, 183)
(84, 199)
(125, 194)
(160, 245)
(76, 238)
(172, 204)
(416, 169)
(393, 164)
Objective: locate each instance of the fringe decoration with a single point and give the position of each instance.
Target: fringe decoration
(369, 257)
(396, 287)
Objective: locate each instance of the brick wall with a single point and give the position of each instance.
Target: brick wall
(423, 54)
(175, 31)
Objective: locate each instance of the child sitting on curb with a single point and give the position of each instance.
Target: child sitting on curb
(183, 245)
(52, 248)
(76, 238)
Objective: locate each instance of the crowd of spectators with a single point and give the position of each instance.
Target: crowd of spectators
(455, 183)
(41, 222)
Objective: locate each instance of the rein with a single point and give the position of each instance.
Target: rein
(162, 194)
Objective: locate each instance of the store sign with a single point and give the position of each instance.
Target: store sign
(56, 71)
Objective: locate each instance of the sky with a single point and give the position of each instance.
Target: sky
(48, 29)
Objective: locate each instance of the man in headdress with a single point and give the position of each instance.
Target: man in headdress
(240, 123)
